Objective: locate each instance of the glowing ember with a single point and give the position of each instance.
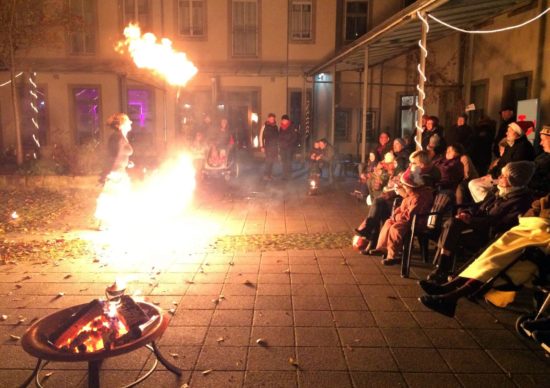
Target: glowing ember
(14, 215)
(256, 142)
(161, 58)
(313, 184)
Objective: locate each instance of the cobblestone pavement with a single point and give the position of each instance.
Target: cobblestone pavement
(327, 317)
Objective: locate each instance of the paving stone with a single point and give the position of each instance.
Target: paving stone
(419, 360)
(316, 336)
(308, 289)
(164, 378)
(273, 335)
(204, 289)
(304, 268)
(406, 337)
(377, 290)
(315, 379)
(273, 289)
(340, 278)
(197, 302)
(432, 320)
(271, 358)
(313, 318)
(497, 339)
(273, 302)
(227, 336)
(320, 358)
(394, 319)
(304, 302)
(302, 278)
(469, 361)
(236, 302)
(370, 359)
(519, 361)
(342, 290)
(183, 335)
(232, 318)
(422, 380)
(219, 358)
(183, 357)
(274, 278)
(353, 319)
(240, 288)
(486, 380)
(273, 318)
(451, 339)
(361, 337)
(270, 379)
(185, 317)
(217, 379)
(378, 379)
(478, 320)
(384, 303)
(530, 380)
(347, 303)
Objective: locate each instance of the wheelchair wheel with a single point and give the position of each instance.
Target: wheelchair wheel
(522, 318)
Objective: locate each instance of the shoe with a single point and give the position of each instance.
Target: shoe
(390, 261)
(439, 304)
(376, 252)
(438, 276)
(542, 324)
(432, 288)
(361, 232)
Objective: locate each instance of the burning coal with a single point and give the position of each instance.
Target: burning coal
(161, 58)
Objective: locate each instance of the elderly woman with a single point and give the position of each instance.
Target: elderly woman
(114, 176)
(533, 231)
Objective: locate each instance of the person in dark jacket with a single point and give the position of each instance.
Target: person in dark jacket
(519, 149)
(288, 137)
(508, 117)
(269, 144)
(498, 212)
(540, 183)
(384, 145)
(432, 129)
(400, 149)
(461, 133)
(480, 144)
(451, 169)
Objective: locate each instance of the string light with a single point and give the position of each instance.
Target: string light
(9, 81)
(33, 91)
(490, 31)
(421, 75)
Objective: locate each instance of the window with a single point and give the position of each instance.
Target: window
(192, 18)
(83, 41)
(87, 113)
(342, 125)
(301, 20)
(141, 112)
(34, 123)
(136, 11)
(408, 115)
(516, 87)
(355, 19)
(244, 17)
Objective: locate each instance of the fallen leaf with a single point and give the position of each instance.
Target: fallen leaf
(220, 339)
(67, 276)
(292, 361)
(261, 342)
(204, 373)
(3, 317)
(185, 385)
(48, 374)
(172, 311)
(14, 337)
(175, 355)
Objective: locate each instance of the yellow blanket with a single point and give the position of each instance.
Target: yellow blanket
(531, 232)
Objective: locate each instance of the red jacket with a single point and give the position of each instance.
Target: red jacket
(418, 201)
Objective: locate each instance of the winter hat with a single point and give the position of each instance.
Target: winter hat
(545, 130)
(519, 173)
(517, 129)
(412, 178)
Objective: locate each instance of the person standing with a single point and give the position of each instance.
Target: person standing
(508, 117)
(269, 144)
(287, 142)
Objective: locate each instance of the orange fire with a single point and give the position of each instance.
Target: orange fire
(161, 58)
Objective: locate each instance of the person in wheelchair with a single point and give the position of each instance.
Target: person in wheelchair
(497, 213)
(221, 144)
(498, 264)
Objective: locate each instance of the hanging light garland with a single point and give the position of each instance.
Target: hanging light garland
(33, 91)
(420, 85)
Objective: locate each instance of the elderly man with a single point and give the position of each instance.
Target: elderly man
(519, 148)
(507, 117)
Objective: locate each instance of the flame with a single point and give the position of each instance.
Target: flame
(256, 142)
(161, 58)
(313, 184)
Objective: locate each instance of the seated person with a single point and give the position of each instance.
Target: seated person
(314, 156)
(462, 194)
(380, 176)
(400, 149)
(533, 231)
(519, 148)
(384, 145)
(381, 207)
(499, 211)
(325, 157)
(216, 157)
(417, 198)
(451, 168)
(540, 184)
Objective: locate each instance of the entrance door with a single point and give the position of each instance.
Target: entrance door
(238, 119)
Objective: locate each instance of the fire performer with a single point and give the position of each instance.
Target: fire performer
(115, 179)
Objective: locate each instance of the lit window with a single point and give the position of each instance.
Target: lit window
(83, 41)
(192, 17)
(87, 114)
(301, 20)
(244, 16)
(355, 19)
(136, 11)
(141, 112)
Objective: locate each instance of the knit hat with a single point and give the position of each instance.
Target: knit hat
(519, 173)
(412, 178)
(545, 130)
(517, 129)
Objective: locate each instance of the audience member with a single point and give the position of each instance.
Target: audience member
(384, 145)
(479, 148)
(461, 133)
(432, 129)
(451, 168)
(507, 117)
(400, 148)
(540, 183)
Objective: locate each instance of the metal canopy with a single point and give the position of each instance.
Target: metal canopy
(401, 32)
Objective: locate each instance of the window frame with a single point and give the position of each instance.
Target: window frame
(94, 29)
(72, 105)
(143, 138)
(204, 35)
(400, 109)
(345, 19)
(311, 39)
(258, 30)
(507, 81)
(124, 23)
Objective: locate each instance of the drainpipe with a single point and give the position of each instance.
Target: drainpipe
(365, 107)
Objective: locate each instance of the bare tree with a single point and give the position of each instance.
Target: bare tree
(25, 24)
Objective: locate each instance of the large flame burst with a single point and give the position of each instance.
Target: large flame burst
(161, 58)
(152, 223)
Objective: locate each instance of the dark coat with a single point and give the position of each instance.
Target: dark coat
(459, 134)
(479, 148)
(522, 149)
(270, 136)
(382, 150)
(426, 135)
(501, 213)
(501, 134)
(288, 138)
(452, 173)
(540, 183)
